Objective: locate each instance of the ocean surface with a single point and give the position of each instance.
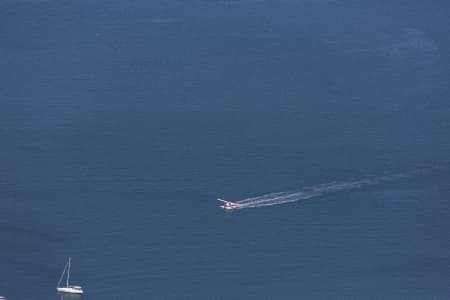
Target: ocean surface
(121, 122)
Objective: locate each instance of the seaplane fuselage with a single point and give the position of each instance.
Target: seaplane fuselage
(229, 205)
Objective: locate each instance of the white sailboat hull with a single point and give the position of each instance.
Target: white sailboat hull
(70, 290)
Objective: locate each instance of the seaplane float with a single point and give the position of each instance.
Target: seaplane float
(229, 205)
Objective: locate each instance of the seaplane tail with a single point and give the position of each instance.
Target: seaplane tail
(228, 205)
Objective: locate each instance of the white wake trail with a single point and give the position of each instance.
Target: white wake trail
(318, 190)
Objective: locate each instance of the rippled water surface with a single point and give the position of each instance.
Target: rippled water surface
(121, 122)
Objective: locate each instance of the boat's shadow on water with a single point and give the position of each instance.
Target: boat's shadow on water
(68, 297)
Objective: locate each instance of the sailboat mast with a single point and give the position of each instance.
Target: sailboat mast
(68, 273)
(62, 274)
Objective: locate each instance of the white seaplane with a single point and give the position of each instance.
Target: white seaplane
(229, 205)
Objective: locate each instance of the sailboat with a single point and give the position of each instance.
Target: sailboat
(71, 289)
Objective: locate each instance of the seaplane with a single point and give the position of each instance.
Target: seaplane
(229, 205)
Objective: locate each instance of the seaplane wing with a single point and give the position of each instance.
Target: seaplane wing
(229, 204)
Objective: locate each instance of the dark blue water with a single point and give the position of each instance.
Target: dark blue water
(121, 122)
